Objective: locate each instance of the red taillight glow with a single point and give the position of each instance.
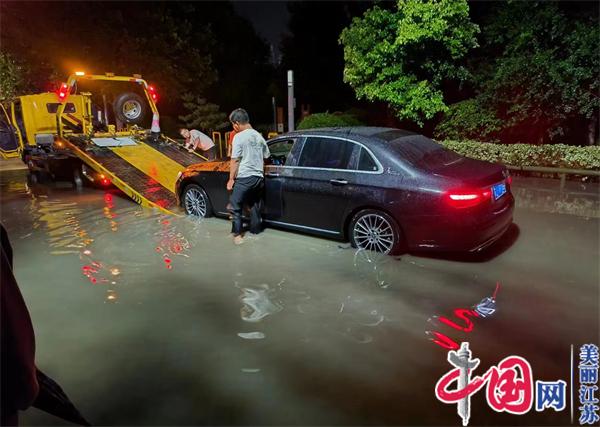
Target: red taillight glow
(463, 196)
(509, 180)
(467, 198)
(63, 92)
(104, 180)
(153, 94)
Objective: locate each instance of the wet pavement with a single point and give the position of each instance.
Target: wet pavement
(156, 320)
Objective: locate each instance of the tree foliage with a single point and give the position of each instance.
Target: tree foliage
(202, 114)
(321, 120)
(202, 48)
(537, 74)
(11, 77)
(403, 56)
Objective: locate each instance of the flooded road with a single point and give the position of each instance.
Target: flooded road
(158, 320)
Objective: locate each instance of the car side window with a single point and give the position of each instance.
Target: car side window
(366, 161)
(280, 151)
(328, 153)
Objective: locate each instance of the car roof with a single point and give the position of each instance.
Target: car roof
(361, 131)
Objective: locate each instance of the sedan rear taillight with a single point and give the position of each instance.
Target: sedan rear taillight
(467, 198)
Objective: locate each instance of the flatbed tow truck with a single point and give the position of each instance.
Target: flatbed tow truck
(69, 134)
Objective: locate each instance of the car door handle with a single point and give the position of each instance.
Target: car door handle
(338, 181)
(272, 174)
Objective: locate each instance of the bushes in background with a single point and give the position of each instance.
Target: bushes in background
(322, 120)
(549, 155)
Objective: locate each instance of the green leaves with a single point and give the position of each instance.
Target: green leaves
(321, 120)
(548, 155)
(548, 68)
(202, 114)
(401, 57)
(11, 77)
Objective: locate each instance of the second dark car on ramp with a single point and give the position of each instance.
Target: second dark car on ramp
(384, 189)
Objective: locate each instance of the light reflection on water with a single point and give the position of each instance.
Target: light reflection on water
(284, 324)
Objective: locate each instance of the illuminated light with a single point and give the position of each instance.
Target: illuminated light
(93, 280)
(468, 198)
(166, 222)
(63, 92)
(87, 252)
(464, 196)
(111, 297)
(109, 74)
(79, 73)
(169, 266)
(153, 94)
(509, 180)
(105, 181)
(115, 271)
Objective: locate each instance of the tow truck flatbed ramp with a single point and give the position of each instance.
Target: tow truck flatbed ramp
(146, 171)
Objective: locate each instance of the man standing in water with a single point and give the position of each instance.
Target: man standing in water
(246, 177)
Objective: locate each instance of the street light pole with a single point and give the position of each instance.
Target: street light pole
(290, 84)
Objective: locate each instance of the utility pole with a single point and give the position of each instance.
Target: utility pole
(274, 105)
(290, 84)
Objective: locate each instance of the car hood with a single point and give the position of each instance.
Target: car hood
(207, 167)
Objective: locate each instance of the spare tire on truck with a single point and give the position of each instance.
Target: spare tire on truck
(130, 108)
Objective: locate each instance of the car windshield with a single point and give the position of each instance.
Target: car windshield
(424, 153)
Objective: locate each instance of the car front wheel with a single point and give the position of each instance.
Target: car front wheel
(375, 231)
(196, 202)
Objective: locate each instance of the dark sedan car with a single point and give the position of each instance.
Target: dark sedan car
(383, 189)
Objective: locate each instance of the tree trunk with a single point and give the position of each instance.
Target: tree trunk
(591, 136)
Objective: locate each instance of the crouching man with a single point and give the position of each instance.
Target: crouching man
(246, 177)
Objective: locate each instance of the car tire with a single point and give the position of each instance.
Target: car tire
(130, 108)
(195, 202)
(375, 230)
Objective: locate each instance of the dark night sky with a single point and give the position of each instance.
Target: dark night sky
(269, 18)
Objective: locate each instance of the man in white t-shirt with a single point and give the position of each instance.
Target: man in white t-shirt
(246, 179)
(195, 138)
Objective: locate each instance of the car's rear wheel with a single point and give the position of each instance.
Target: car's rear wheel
(375, 230)
(195, 201)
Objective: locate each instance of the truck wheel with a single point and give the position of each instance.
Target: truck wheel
(130, 108)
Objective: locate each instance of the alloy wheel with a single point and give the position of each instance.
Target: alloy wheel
(374, 232)
(195, 202)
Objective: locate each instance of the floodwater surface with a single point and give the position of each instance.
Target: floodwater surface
(149, 319)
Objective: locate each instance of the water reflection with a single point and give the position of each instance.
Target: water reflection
(259, 302)
(372, 267)
(270, 332)
(568, 203)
